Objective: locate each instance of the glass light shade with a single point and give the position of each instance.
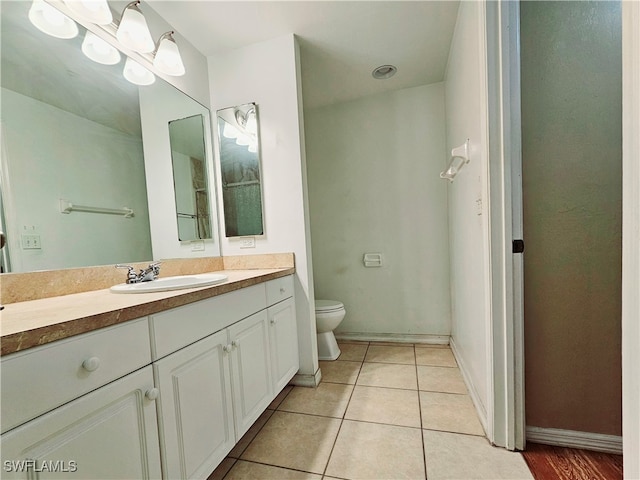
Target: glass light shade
(251, 123)
(51, 21)
(137, 74)
(253, 148)
(167, 58)
(98, 50)
(133, 31)
(230, 131)
(243, 139)
(94, 11)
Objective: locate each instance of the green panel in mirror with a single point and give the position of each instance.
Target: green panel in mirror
(190, 181)
(240, 169)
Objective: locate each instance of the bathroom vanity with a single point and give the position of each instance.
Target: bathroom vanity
(165, 394)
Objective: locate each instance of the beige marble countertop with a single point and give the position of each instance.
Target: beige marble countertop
(37, 322)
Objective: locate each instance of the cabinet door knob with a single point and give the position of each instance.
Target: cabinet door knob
(91, 364)
(272, 321)
(226, 348)
(235, 343)
(282, 290)
(152, 393)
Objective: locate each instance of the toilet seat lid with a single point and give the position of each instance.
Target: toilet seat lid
(328, 305)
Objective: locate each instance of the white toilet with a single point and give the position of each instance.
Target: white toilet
(329, 314)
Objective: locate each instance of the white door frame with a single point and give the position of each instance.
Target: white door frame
(631, 238)
(505, 220)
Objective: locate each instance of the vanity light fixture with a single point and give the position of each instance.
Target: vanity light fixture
(383, 72)
(98, 50)
(137, 74)
(167, 58)
(51, 21)
(94, 11)
(133, 31)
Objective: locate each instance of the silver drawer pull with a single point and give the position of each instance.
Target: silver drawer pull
(152, 393)
(91, 364)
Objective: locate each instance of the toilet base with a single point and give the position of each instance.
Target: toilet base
(327, 346)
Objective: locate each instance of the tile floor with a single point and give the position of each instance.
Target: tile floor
(382, 411)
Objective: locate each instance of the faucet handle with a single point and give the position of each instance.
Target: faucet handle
(131, 274)
(155, 266)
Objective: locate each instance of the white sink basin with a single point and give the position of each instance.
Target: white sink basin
(164, 284)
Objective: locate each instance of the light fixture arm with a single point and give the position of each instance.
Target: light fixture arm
(168, 35)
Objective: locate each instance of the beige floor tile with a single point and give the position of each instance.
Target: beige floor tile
(432, 345)
(438, 357)
(293, 440)
(327, 399)
(339, 371)
(222, 469)
(456, 456)
(449, 412)
(255, 471)
(440, 379)
(373, 451)
(391, 354)
(353, 352)
(388, 375)
(385, 405)
(246, 439)
(280, 397)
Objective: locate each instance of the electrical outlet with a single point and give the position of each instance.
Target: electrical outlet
(197, 246)
(248, 242)
(30, 242)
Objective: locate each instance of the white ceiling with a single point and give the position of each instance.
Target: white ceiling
(341, 41)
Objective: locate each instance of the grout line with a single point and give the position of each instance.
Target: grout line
(278, 466)
(324, 472)
(424, 452)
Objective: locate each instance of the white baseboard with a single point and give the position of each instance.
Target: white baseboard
(306, 380)
(473, 393)
(573, 439)
(394, 337)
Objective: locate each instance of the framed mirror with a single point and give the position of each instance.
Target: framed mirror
(239, 142)
(190, 179)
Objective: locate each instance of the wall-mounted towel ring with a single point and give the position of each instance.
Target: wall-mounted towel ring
(459, 158)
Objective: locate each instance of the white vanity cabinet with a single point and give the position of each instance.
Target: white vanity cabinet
(85, 407)
(214, 389)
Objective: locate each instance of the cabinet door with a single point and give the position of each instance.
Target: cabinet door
(283, 335)
(194, 408)
(110, 433)
(251, 370)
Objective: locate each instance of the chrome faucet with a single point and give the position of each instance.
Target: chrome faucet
(144, 275)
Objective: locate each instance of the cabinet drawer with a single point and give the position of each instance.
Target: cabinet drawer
(182, 326)
(39, 379)
(279, 289)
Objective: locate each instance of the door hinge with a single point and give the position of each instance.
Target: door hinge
(518, 246)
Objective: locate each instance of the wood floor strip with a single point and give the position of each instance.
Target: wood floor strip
(548, 462)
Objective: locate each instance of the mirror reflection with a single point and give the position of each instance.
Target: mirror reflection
(240, 169)
(190, 178)
(71, 130)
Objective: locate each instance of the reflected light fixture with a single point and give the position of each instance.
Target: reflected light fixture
(94, 11)
(133, 31)
(98, 50)
(167, 58)
(137, 74)
(229, 131)
(51, 21)
(251, 121)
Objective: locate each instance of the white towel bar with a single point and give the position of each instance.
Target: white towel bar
(67, 207)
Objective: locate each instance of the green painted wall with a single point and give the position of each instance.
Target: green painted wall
(572, 183)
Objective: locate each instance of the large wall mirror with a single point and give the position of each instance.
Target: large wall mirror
(238, 131)
(71, 130)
